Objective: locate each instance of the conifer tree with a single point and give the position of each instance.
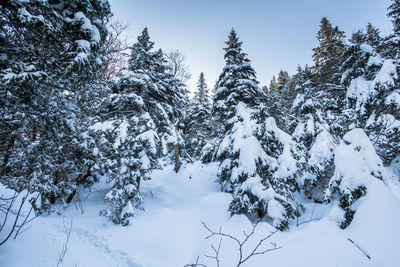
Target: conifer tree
(394, 13)
(371, 79)
(50, 55)
(198, 120)
(251, 144)
(273, 85)
(327, 56)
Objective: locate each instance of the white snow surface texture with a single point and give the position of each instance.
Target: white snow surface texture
(169, 232)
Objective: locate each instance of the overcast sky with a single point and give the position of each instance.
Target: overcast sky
(276, 34)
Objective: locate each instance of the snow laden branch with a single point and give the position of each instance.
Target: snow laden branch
(243, 257)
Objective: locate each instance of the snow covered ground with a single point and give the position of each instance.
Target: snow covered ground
(169, 232)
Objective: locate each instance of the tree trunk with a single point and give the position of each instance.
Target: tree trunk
(177, 159)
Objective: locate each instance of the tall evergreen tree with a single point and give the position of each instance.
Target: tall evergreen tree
(237, 82)
(327, 56)
(394, 13)
(137, 125)
(198, 126)
(250, 144)
(49, 56)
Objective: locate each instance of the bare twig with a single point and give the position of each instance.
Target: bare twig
(196, 264)
(7, 207)
(64, 249)
(241, 244)
(216, 251)
(311, 218)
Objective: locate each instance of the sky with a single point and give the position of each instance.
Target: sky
(276, 34)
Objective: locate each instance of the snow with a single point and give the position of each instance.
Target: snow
(393, 98)
(87, 26)
(169, 232)
(356, 162)
(322, 149)
(367, 49)
(361, 89)
(386, 74)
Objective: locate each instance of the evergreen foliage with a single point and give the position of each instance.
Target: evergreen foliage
(327, 56)
(197, 122)
(394, 13)
(49, 56)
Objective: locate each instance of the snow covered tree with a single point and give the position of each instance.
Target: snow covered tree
(279, 98)
(237, 83)
(136, 126)
(49, 56)
(164, 96)
(351, 181)
(327, 56)
(312, 134)
(372, 85)
(198, 127)
(252, 149)
(273, 85)
(126, 151)
(394, 13)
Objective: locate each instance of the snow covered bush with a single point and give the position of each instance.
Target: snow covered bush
(356, 164)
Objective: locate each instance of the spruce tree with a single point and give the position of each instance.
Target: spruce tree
(371, 79)
(198, 126)
(394, 13)
(251, 145)
(327, 56)
(137, 125)
(50, 55)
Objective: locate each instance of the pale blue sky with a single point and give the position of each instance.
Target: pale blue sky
(276, 34)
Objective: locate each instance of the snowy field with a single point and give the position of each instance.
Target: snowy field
(170, 232)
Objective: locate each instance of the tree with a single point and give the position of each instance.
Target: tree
(327, 56)
(115, 49)
(198, 126)
(176, 65)
(251, 144)
(394, 13)
(164, 96)
(273, 85)
(50, 56)
(283, 80)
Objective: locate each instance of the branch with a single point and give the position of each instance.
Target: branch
(255, 251)
(361, 249)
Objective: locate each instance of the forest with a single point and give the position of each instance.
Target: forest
(99, 135)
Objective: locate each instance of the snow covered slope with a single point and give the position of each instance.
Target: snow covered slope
(169, 232)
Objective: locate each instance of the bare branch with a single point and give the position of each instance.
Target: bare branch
(67, 230)
(177, 66)
(241, 244)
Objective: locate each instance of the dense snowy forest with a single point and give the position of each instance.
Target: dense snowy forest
(97, 134)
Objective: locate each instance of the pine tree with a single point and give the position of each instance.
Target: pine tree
(198, 126)
(163, 95)
(137, 124)
(250, 144)
(50, 55)
(237, 82)
(283, 80)
(273, 85)
(394, 13)
(315, 143)
(126, 147)
(371, 78)
(327, 56)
